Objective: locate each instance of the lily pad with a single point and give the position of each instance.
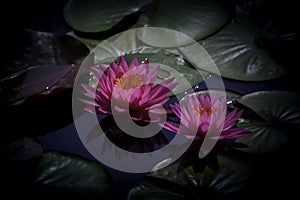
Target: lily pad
(61, 173)
(195, 19)
(20, 152)
(90, 43)
(97, 16)
(38, 80)
(115, 46)
(227, 183)
(37, 84)
(236, 56)
(40, 49)
(34, 98)
(279, 113)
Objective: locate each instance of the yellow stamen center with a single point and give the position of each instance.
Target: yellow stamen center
(129, 82)
(202, 110)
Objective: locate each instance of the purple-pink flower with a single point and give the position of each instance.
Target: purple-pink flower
(201, 112)
(129, 89)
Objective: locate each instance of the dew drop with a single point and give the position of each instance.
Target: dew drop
(229, 102)
(209, 76)
(180, 60)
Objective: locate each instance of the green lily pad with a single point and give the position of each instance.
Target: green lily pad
(279, 113)
(229, 181)
(195, 19)
(97, 16)
(115, 46)
(237, 57)
(90, 43)
(263, 140)
(61, 173)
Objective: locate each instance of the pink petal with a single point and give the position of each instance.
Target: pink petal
(151, 78)
(104, 97)
(119, 109)
(191, 104)
(201, 100)
(171, 126)
(102, 67)
(91, 91)
(204, 117)
(104, 110)
(204, 127)
(176, 109)
(114, 67)
(154, 118)
(97, 73)
(123, 64)
(145, 97)
(207, 103)
(90, 110)
(185, 114)
(92, 103)
(231, 118)
(157, 110)
(134, 63)
(234, 133)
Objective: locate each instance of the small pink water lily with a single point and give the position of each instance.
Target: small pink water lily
(196, 118)
(131, 89)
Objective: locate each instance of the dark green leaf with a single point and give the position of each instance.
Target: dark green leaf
(263, 139)
(236, 56)
(195, 19)
(280, 119)
(37, 85)
(69, 174)
(43, 49)
(281, 105)
(90, 43)
(38, 80)
(147, 191)
(21, 151)
(227, 182)
(97, 16)
(115, 46)
(18, 159)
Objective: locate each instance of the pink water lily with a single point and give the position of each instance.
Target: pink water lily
(196, 118)
(131, 89)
